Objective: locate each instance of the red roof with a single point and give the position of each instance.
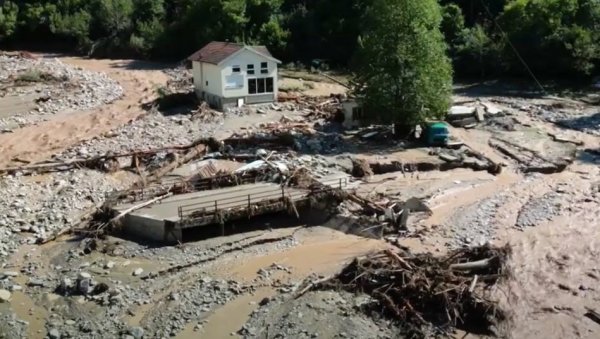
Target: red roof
(217, 51)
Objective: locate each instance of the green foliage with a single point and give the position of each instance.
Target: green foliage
(404, 74)
(8, 19)
(475, 53)
(554, 37)
(559, 37)
(453, 22)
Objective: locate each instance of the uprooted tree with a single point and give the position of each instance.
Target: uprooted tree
(402, 71)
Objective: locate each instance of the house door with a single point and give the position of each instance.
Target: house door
(240, 102)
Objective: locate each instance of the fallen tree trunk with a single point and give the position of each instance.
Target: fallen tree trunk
(475, 265)
(46, 167)
(137, 207)
(192, 154)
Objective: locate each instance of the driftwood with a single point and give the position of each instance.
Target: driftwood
(193, 153)
(82, 220)
(421, 293)
(137, 207)
(475, 265)
(93, 162)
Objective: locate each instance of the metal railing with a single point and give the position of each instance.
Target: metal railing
(275, 194)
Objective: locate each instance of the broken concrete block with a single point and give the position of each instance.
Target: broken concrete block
(479, 114)
(491, 109)
(463, 122)
(460, 112)
(449, 158)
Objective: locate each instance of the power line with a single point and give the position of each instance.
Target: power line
(505, 36)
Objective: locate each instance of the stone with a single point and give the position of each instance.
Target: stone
(109, 265)
(84, 275)
(137, 332)
(11, 274)
(138, 272)
(54, 334)
(66, 284)
(85, 286)
(33, 282)
(4, 296)
(16, 288)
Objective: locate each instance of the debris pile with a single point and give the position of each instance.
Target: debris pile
(469, 116)
(429, 295)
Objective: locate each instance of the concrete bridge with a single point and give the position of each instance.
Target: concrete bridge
(166, 219)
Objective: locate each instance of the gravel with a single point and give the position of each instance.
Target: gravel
(476, 223)
(152, 131)
(41, 208)
(321, 314)
(72, 88)
(540, 209)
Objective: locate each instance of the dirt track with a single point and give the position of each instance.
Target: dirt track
(38, 143)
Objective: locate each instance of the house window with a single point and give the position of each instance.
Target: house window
(236, 69)
(252, 86)
(260, 85)
(250, 68)
(264, 68)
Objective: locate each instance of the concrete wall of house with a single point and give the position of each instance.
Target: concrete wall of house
(350, 121)
(207, 78)
(231, 81)
(148, 228)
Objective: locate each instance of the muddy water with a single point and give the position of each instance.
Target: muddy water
(21, 304)
(313, 256)
(26, 309)
(445, 206)
(229, 318)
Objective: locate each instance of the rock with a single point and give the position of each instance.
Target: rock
(109, 265)
(66, 284)
(85, 286)
(84, 275)
(16, 288)
(33, 282)
(138, 272)
(4, 296)
(137, 332)
(264, 301)
(54, 334)
(11, 274)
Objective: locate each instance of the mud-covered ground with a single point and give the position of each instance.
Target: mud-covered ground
(242, 285)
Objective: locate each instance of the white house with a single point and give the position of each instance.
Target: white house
(230, 75)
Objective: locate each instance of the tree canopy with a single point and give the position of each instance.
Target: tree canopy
(484, 37)
(402, 69)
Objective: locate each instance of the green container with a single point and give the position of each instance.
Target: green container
(437, 133)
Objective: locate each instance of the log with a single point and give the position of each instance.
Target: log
(398, 259)
(474, 265)
(195, 152)
(473, 283)
(335, 80)
(45, 167)
(137, 207)
(84, 218)
(311, 285)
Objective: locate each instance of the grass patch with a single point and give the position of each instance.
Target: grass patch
(35, 75)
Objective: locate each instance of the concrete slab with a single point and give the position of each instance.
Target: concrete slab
(155, 222)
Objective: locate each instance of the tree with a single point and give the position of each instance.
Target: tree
(554, 37)
(8, 19)
(403, 73)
